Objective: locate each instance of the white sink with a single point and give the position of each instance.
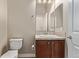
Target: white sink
(48, 37)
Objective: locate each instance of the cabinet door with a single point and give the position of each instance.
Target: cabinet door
(43, 49)
(59, 49)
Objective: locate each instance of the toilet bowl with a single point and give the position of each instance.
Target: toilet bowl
(10, 54)
(15, 45)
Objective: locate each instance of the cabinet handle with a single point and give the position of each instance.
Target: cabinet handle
(52, 43)
(48, 43)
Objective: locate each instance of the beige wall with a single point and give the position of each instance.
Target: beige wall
(3, 26)
(21, 23)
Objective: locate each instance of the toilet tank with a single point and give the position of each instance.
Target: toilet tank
(15, 44)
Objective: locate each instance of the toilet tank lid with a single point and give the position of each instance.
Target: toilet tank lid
(15, 39)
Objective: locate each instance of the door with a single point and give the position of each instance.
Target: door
(43, 49)
(59, 48)
(73, 29)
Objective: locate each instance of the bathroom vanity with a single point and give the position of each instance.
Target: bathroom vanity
(50, 34)
(50, 46)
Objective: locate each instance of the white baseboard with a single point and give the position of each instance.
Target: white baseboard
(26, 55)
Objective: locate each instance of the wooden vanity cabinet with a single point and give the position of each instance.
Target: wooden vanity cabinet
(50, 48)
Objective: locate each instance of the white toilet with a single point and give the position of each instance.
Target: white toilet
(15, 45)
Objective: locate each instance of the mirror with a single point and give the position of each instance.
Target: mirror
(56, 19)
(49, 16)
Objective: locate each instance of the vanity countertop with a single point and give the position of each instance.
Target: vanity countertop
(49, 37)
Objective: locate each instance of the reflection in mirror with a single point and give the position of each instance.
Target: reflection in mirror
(56, 19)
(49, 16)
(42, 10)
(59, 18)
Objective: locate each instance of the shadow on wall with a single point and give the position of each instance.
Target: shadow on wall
(4, 49)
